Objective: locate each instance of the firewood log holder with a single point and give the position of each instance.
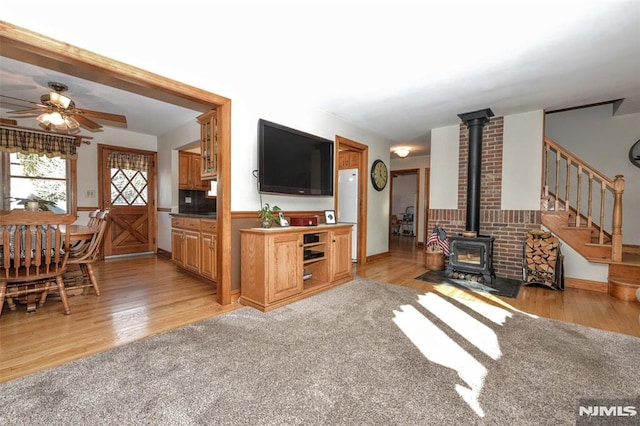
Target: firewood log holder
(542, 272)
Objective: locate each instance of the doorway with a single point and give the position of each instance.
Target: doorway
(127, 185)
(27, 46)
(405, 202)
(353, 155)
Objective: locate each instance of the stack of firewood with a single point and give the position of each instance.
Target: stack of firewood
(542, 259)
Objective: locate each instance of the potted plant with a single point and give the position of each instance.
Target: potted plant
(266, 214)
(34, 203)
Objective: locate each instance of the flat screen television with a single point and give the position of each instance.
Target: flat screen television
(293, 162)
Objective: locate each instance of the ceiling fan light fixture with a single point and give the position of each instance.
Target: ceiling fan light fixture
(43, 118)
(71, 123)
(55, 118)
(402, 151)
(59, 100)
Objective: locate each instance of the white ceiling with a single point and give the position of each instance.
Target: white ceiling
(396, 68)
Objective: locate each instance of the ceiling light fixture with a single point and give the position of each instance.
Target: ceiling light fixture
(402, 151)
(59, 121)
(59, 100)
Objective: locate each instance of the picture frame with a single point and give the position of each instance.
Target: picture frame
(330, 217)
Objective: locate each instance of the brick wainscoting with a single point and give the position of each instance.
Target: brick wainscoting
(509, 227)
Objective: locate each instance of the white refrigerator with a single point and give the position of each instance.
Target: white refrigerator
(348, 205)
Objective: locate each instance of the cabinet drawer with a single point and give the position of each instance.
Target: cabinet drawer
(207, 225)
(185, 223)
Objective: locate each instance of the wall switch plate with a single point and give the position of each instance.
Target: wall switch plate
(91, 193)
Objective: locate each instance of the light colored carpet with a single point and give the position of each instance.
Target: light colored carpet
(363, 353)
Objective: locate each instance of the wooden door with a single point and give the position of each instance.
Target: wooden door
(128, 189)
(285, 266)
(177, 247)
(208, 253)
(192, 251)
(341, 253)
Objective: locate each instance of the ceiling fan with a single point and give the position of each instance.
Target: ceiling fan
(58, 112)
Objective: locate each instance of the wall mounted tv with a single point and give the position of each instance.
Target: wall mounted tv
(293, 162)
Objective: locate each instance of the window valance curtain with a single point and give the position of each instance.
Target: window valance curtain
(128, 161)
(27, 142)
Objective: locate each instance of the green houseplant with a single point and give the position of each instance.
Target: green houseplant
(35, 203)
(266, 214)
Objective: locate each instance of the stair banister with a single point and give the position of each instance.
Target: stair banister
(616, 234)
(616, 187)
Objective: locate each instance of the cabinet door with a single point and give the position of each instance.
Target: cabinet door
(285, 266)
(208, 262)
(192, 251)
(209, 144)
(196, 170)
(341, 253)
(184, 171)
(177, 246)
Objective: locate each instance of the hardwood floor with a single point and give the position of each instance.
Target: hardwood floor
(147, 295)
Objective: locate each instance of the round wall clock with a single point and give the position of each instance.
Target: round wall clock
(379, 175)
(634, 154)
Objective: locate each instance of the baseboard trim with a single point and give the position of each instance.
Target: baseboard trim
(598, 286)
(164, 253)
(378, 256)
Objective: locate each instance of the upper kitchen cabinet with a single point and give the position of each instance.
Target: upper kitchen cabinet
(189, 168)
(209, 144)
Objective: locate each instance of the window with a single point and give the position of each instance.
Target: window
(49, 180)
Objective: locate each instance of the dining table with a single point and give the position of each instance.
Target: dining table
(79, 232)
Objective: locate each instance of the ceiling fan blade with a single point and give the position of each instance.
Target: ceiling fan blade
(26, 111)
(86, 123)
(22, 101)
(116, 119)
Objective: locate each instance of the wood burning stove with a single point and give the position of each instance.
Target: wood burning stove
(471, 255)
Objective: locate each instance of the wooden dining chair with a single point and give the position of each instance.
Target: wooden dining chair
(93, 218)
(34, 252)
(89, 253)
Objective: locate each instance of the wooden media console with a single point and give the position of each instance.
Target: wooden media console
(283, 265)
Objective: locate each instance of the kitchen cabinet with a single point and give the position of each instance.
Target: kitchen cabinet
(209, 144)
(189, 172)
(282, 265)
(348, 160)
(208, 249)
(193, 245)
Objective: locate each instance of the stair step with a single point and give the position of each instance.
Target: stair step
(623, 289)
(598, 245)
(599, 260)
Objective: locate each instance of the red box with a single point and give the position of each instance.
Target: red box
(304, 221)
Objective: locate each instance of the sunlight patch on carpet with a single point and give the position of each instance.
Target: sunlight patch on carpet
(475, 332)
(439, 348)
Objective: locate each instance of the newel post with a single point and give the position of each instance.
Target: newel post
(616, 226)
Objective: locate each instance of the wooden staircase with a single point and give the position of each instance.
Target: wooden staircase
(571, 187)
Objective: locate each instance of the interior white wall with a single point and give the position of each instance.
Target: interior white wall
(168, 145)
(443, 187)
(521, 161)
(244, 159)
(603, 140)
(420, 163)
(576, 266)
